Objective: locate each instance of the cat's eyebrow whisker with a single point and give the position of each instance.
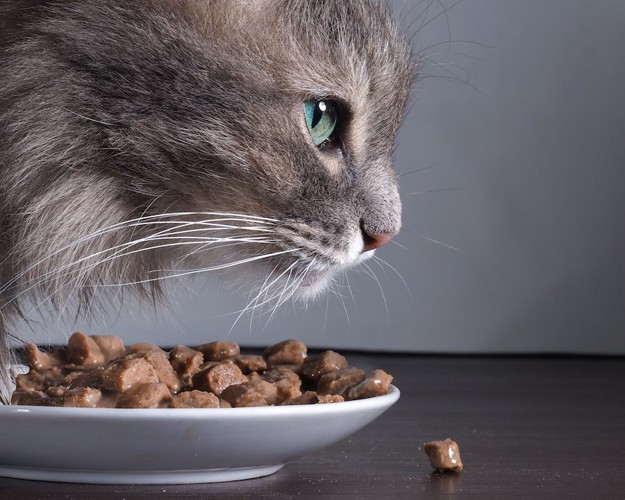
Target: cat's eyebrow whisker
(451, 76)
(422, 169)
(436, 191)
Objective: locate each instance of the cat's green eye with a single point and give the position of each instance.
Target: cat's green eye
(321, 120)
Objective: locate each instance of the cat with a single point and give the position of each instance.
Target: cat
(142, 140)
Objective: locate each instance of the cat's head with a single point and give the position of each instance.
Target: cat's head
(253, 136)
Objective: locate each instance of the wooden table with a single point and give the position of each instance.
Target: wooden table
(528, 427)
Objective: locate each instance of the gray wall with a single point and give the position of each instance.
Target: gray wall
(520, 175)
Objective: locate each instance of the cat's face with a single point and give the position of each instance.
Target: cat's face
(241, 136)
(308, 114)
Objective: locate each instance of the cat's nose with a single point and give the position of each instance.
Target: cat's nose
(375, 240)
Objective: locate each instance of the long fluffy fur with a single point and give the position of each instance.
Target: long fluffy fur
(128, 128)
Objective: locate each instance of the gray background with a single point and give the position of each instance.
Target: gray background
(513, 178)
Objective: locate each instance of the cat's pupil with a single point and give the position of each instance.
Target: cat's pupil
(318, 113)
(321, 119)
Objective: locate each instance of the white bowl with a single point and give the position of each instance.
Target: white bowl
(169, 446)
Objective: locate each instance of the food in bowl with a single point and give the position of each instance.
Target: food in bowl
(99, 371)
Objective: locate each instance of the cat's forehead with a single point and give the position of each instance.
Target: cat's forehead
(327, 47)
(290, 51)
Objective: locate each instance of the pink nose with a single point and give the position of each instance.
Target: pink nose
(375, 240)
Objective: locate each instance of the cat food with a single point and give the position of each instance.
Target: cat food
(444, 455)
(98, 371)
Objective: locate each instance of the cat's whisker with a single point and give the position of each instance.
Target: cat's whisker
(201, 270)
(338, 294)
(446, 245)
(119, 251)
(134, 223)
(435, 191)
(374, 276)
(254, 304)
(180, 274)
(422, 169)
(263, 290)
(218, 245)
(399, 245)
(93, 255)
(280, 298)
(349, 287)
(289, 289)
(285, 294)
(382, 261)
(78, 283)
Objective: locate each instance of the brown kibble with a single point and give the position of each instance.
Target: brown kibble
(319, 364)
(307, 398)
(217, 378)
(55, 392)
(250, 363)
(150, 395)
(83, 351)
(340, 381)
(40, 360)
(287, 352)
(444, 455)
(186, 362)
(142, 348)
(195, 399)
(112, 346)
(252, 393)
(125, 373)
(375, 385)
(33, 398)
(164, 371)
(84, 397)
(218, 350)
(84, 378)
(210, 364)
(331, 398)
(39, 381)
(286, 381)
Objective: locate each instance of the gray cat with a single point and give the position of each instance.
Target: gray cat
(141, 140)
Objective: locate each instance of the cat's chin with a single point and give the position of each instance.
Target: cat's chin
(314, 285)
(318, 282)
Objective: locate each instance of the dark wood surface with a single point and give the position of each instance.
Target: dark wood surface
(527, 427)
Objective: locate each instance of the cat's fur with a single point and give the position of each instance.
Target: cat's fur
(131, 125)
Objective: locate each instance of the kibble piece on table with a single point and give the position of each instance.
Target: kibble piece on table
(444, 455)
